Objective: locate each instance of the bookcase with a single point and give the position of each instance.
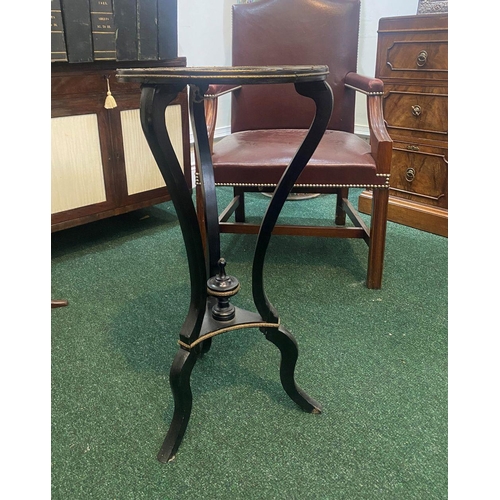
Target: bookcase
(101, 164)
(121, 30)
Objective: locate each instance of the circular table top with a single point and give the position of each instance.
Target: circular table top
(227, 75)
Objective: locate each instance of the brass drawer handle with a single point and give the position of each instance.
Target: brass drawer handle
(410, 174)
(416, 110)
(422, 59)
(411, 147)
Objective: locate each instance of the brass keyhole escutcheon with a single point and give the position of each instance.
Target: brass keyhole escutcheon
(410, 174)
(422, 58)
(416, 110)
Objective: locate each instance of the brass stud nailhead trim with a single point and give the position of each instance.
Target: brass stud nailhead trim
(244, 184)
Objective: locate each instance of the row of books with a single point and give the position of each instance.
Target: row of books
(121, 30)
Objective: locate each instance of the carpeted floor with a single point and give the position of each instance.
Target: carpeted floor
(375, 359)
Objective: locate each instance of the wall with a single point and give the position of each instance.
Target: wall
(205, 40)
(371, 12)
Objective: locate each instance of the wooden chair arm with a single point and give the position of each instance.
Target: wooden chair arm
(380, 141)
(211, 99)
(364, 84)
(211, 105)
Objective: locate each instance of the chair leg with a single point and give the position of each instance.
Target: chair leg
(200, 213)
(378, 228)
(239, 213)
(58, 303)
(339, 210)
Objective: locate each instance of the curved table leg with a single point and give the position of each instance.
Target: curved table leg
(180, 374)
(321, 93)
(287, 345)
(154, 102)
(206, 173)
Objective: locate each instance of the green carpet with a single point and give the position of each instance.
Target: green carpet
(375, 359)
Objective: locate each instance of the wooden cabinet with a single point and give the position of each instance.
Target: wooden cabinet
(101, 162)
(412, 60)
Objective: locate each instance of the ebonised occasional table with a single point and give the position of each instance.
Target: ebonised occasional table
(211, 312)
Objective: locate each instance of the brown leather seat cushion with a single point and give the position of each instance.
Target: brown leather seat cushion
(260, 156)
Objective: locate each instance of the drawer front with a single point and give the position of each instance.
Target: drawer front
(417, 112)
(412, 57)
(420, 173)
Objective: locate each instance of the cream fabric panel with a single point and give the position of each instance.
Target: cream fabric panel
(140, 166)
(76, 176)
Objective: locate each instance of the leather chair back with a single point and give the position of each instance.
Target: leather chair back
(282, 32)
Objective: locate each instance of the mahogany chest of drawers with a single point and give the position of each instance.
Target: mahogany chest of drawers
(412, 61)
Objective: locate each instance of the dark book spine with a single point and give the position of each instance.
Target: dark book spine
(103, 30)
(58, 43)
(126, 29)
(167, 29)
(78, 31)
(147, 30)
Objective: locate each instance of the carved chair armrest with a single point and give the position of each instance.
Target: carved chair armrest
(211, 104)
(211, 99)
(380, 141)
(364, 84)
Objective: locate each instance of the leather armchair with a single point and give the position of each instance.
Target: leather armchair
(268, 123)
